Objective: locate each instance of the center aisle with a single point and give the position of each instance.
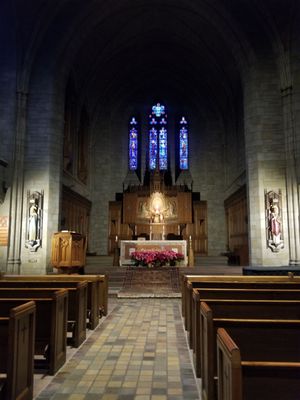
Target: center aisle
(139, 352)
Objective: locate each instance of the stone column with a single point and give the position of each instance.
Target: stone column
(291, 176)
(17, 188)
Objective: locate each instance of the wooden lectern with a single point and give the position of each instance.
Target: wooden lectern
(68, 252)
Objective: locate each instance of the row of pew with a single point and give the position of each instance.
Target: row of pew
(40, 315)
(244, 332)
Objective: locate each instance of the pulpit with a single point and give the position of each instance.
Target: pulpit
(68, 252)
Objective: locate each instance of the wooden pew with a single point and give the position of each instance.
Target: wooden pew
(97, 290)
(188, 282)
(101, 284)
(205, 294)
(77, 302)
(270, 372)
(214, 317)
(51, 324)
(243, 309)
(235, 292)
(191, 309)
(92, 292)
(17, 335)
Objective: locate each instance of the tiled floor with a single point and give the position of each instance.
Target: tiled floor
(138, 352)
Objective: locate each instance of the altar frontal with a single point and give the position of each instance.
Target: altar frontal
(127, 247)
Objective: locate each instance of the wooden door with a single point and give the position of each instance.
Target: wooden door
(198, 229)
(237, 225)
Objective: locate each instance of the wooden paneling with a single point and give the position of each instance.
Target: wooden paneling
(198, 229)
(237, 225)
(130, 208)
(75, 212)
(184, 207)
(115, 214)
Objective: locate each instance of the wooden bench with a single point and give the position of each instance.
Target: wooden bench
(51, 324)
(206, 294)
(236, 320)
(188, 282)
(191, 310)
(97, 290)
(259, 365)
(240, 308)
(17, 334)
(77, 302)
(235, 292)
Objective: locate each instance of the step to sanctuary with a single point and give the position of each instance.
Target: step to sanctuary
(204, 265)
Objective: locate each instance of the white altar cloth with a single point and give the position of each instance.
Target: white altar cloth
(129, 246)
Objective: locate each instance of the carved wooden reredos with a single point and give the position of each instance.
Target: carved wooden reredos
(157, 211)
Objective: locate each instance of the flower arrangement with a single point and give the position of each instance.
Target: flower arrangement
(154, 258)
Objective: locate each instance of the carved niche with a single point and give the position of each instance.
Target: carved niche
(34, 220)
(274, 225)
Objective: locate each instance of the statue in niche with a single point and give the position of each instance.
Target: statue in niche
(34, 221)
(274, 221)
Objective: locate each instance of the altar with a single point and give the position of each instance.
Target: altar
(127, 247)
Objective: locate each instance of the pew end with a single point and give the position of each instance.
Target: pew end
(17, 352)
(229, 367)
(244, 379)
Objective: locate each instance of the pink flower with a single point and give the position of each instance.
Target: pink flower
(156, 257)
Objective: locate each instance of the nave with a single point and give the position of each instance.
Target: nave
(138, 352)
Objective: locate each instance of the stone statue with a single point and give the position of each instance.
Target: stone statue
(33, 220)
(274, 221)
(275, 224)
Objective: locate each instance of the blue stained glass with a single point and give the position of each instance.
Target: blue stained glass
(133, 148)
(153, 121)
(163, 149)
(158, 110)
(183, 145)
(133, 121)
(152, 148)
(158, 143)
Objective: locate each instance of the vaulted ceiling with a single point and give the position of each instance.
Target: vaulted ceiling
(193, 51)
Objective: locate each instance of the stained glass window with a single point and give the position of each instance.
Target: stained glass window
(163, 148)
(133, 144)
(158, 138)
(152, 148)
(183, 144)
(158, 110)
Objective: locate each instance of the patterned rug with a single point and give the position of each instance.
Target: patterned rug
(141, 282)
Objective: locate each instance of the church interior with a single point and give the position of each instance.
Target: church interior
(74, 75)
(138, 125)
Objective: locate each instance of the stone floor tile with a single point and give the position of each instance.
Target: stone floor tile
(138, 352)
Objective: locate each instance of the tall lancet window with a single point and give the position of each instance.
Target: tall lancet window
(158, 138)
(133, 144)
(183, 144)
